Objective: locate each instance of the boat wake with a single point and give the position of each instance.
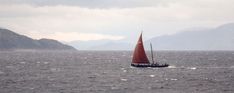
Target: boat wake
(194, 68)
(182, 67)
(172, 66)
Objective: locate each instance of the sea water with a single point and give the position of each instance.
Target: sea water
(110, 72)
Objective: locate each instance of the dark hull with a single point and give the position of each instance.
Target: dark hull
(150, 65)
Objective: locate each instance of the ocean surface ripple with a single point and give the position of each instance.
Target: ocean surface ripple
(110, 72)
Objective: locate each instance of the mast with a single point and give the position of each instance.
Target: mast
(152, 54)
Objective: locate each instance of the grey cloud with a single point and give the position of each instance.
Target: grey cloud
(92, 3)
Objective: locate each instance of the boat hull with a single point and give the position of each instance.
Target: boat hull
(150, 65)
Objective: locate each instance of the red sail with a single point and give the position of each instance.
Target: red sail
(139, 56)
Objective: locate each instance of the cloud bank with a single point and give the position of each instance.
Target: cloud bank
(92, 3)
(103, 19)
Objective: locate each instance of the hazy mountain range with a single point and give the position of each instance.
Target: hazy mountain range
(219, 38)
(101, 45)
(10, 40)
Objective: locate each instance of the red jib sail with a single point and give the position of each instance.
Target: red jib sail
(139, 56)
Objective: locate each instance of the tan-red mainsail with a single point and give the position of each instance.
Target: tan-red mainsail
(139, 55)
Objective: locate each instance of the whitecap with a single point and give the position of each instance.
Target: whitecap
(155, 68)
(9, 66)
(171, 66)
(123, 55)
(114, 88)
(212, 59)
(193, 68)
(46, 62)
(124, 79)
(22, 62)
(54, 69)
(152, 75)
(1, 72)
(174, 79)
(124, 70)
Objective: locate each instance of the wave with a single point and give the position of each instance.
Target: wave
(194, 68)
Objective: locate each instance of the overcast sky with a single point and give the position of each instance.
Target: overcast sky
(71, 20)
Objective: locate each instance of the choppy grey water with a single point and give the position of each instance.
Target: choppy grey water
(110, 72)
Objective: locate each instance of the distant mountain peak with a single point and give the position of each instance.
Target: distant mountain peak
(226, 26)
(12, 40)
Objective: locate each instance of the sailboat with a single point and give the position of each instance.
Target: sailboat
(140, 58)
